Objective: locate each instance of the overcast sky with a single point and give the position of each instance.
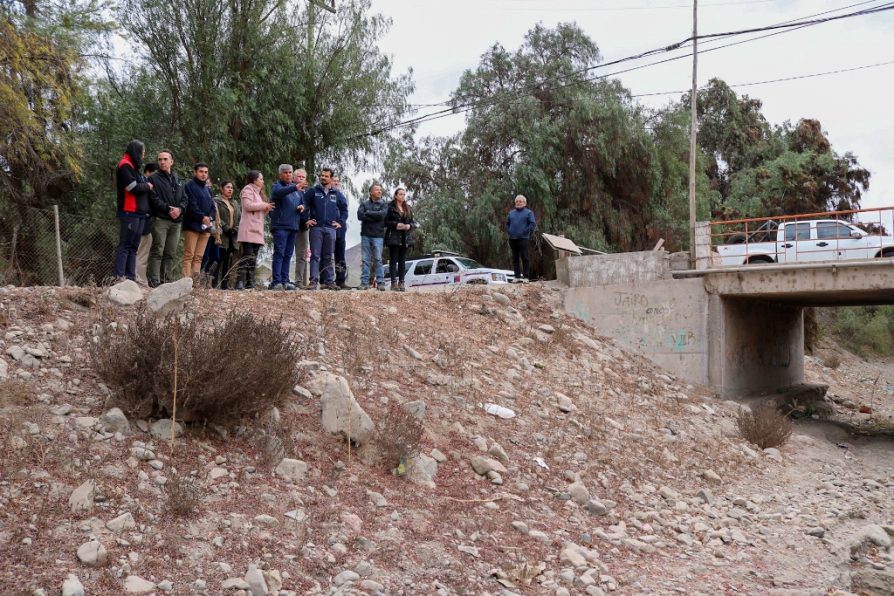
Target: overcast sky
(439, 40)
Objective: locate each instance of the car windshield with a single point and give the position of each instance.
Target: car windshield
(469, 263)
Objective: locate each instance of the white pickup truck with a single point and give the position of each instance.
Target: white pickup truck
(803, 241)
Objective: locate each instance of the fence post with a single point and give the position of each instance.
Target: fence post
(58, 246)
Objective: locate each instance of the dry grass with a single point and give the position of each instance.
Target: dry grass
(399, 435)
(183, 493)
(15, 393)
(764, 426)
(832, 361)
(222, 372)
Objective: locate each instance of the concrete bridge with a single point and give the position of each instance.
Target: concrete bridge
(738, 330)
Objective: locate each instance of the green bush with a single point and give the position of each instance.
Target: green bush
(863, 329)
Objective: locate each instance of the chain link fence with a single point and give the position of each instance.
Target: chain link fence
(32, 253)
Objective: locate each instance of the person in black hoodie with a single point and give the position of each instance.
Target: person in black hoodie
(168, 205)
(133, 208)
(399, 226)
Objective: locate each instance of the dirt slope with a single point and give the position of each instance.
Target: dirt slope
(617, 476)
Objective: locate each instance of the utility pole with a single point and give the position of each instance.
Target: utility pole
(693, 132)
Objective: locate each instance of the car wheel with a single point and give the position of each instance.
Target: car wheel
(761, 260)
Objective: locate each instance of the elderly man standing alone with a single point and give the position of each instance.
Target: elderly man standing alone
(519, 224)
(288, 204)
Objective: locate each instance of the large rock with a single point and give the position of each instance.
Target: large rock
(579, 493)
(256, 582)
(137, 585)
(161, 429)
(422, 469)
(125, 293)
(292, 469)
(93, 554)
(340, 411)
(121, 523)
(169, 297)
(804, 400)
(873, 582)
(81, 500)
(872, 534)
(72, 586)
(114, 421)
(482, 465)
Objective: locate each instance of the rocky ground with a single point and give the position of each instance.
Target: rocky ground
(609, 476)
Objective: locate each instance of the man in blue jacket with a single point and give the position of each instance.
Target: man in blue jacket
(519, 224)
(326, 209)
(285, 219)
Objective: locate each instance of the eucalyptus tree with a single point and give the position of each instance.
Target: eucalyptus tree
(252, 83)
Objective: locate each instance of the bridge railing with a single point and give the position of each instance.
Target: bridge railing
(829, 239)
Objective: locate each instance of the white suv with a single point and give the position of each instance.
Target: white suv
(445, 269)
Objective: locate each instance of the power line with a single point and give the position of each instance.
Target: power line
(778, 28)
(631, 8)
(688, 44)
(781, 80)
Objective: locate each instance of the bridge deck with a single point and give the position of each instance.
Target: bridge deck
(833, 283)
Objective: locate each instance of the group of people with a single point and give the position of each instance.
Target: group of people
(222, 234)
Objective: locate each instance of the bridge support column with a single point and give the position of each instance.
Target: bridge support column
(760, 347)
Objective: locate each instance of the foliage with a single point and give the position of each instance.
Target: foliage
(761, 170)
(863, 330)
(578, 148)
(42, 81)
(764, 425)
(252, 84)
(218, 375)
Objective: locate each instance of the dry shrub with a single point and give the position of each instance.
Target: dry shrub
(832, 361)
(399, 435)
(764, 426)
(14, 392)
(237, 368)
(183, 493)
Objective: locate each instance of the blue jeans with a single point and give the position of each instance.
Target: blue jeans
(322, 245)
(129, 235)
(283, 249)
(371, 249)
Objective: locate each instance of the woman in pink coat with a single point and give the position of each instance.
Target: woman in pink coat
(251, 227)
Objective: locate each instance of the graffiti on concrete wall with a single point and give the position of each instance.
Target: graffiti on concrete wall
(641, 321)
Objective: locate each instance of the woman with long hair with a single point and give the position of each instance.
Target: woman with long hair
(251, 228)
(229, 210)
(399, 226)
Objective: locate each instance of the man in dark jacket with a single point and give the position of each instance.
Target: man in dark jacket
(285, 219)
(168, 204)
(133, 208)
(519, 224)
(198, 221)
(372, 236)
(326, 208)
(341, 246)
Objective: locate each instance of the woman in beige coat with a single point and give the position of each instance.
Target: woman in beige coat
(251, 228)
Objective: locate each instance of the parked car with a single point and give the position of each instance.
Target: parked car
(803, 241)
(444, 269)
